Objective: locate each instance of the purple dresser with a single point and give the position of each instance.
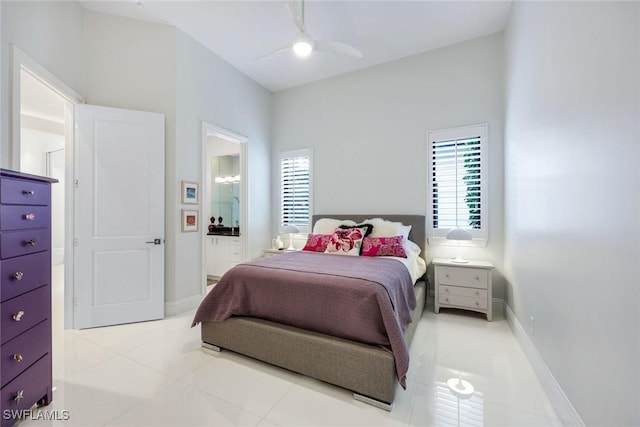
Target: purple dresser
(25, 292)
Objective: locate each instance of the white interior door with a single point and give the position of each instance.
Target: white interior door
(119, 216)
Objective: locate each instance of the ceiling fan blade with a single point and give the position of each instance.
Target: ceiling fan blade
(296, 15)
(335, 47)
(275, 53)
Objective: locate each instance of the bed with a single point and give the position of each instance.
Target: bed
(370, 371)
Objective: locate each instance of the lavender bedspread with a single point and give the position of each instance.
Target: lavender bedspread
(365, 299)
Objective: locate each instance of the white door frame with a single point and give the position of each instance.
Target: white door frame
(20, 61)
(209, 129)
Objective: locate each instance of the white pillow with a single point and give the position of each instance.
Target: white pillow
(384, 228)
(328, 225)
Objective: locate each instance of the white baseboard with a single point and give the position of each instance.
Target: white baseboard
(174, 308)
(561, 404)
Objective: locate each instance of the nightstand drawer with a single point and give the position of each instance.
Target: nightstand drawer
(29, 387)
(20, 353)
(24, 242)
(23, 312)
(463, 292)
(25, 273)
(16, 191)
(469, 277)
(18, 217)
(468, 302)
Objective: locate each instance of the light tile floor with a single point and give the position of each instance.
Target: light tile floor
(156, 374)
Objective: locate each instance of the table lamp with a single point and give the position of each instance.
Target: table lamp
(291, 229)
(459, 234)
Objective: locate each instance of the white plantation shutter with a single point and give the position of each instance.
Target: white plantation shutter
(295, 188)
(457, 181)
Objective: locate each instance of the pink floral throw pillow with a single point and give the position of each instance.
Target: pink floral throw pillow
(317, 242)
(383, 246)
(347, 241)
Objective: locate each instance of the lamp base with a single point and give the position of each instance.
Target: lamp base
(291, 247)
(459, 260)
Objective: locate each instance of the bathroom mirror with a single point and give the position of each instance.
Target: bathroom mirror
(225, 190)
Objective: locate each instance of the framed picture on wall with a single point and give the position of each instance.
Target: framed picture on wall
(189, 220)
(189, 193)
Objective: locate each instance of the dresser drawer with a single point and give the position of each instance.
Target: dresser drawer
(21, 217)
(469, 277)
(20, 353)
(463, 292)
(33, 384)
(24, 273)
(15, 191)
(35, 307)
(24, 242)
(464, 302)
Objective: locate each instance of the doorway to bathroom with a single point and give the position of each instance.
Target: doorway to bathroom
(224, 201)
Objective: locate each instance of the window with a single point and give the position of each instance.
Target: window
(295, 189)
(457, 181)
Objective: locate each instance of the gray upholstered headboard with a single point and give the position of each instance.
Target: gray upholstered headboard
(417, 223)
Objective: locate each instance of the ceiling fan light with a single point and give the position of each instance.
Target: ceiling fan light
(302, 48)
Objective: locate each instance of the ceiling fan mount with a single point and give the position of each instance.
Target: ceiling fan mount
(302, 44)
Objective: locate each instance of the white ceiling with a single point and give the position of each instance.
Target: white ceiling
(241, 31)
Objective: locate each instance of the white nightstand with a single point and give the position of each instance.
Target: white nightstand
(465, 286)
(272, 252)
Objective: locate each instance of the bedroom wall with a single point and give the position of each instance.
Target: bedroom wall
(49, 32)
(209, 89)
(572, 205)
(368, 131)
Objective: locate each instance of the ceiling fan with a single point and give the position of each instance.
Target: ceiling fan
(302, 44)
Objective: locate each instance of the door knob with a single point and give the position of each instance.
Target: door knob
(155, 242)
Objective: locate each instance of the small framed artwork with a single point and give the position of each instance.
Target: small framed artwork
(189, 193)
(189, 220)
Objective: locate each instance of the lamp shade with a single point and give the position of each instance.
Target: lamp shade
(289, 228)
(459, 234)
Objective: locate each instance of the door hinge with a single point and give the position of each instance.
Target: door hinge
(75, 242)
(75, 183)
(75, 301)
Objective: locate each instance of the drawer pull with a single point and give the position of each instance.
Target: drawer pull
(28, 192)
(19, 396)
(477, 278)
(17, 357)
(18, 275)
(18, 316)
(477, 293)
(31, 242)
(29, 217)
(446, 275)
(446, 290)
(446, 299)
(478, 303)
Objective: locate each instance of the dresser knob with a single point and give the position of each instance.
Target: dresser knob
(19, 396)
(447, 290)
(31, 242)
(18, 275)
(478, 303)
(446, 299)
(477, 293)
(446, 275)
(29, 217)
(17, 357)
(18, 316)
(477, 278)
(28, 192)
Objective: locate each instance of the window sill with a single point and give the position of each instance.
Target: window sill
(443, 241)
